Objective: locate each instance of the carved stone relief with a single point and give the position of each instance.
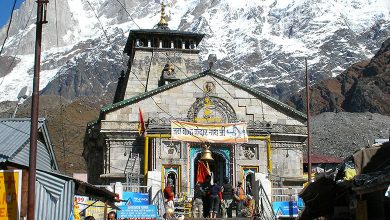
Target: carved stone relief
(249, 151)
(211, 109)
(170, 149)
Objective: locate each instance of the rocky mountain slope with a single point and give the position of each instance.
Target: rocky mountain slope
(260, 43)
(363, 87)
(66, 122)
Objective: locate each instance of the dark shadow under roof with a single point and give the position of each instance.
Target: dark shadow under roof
(161, 33)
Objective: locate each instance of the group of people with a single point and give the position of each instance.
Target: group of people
(211, 199)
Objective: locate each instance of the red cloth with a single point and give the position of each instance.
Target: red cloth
(220, 195)
(141, 123)
(202, 172)
(168, 194)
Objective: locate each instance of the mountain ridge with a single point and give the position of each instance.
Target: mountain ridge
(260, 43)
(363, 87)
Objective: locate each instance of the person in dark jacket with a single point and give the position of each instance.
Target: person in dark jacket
(215, 198)
(197, 204)
(227, 198)
(206, 186)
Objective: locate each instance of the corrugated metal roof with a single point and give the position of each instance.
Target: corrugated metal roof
(15, 141)
(44, 161)
(14, 133)
(317, 158)
(54, 196)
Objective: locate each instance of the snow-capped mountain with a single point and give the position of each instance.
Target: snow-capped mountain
(258, 42)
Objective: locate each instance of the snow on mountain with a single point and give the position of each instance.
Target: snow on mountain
(261, 43)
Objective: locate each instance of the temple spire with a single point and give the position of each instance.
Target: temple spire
(163, 24)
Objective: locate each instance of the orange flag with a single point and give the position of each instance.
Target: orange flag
(141, 123)
(202, 173)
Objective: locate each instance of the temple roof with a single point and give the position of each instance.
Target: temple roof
(264, 97)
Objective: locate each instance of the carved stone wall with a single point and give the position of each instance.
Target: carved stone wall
(251, 154)
(147, 67)
(177, 102)
(287, 159)
(171, 154)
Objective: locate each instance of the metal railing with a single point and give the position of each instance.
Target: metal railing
(264, 206)
(158, 201)
(127, 188)
(134, 188)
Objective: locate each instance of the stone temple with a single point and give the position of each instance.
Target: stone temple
(186, 108)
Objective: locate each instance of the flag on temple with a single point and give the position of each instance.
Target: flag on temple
(141, 123)
(203, 172)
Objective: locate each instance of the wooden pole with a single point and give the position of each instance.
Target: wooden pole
(308, 124)
(34, 112)
(105, 210)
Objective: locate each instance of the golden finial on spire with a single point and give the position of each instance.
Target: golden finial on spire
(163, 24)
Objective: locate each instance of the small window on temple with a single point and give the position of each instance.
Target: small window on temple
(187, 45)
(166, 44)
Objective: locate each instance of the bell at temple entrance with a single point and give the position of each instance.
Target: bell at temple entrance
(206, 154)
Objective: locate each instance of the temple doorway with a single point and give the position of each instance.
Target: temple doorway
(249, 178)
(218, 168)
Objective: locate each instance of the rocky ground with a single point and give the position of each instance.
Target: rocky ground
(340, 134)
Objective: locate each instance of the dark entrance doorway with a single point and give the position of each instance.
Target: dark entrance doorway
(172, 178)
(217, 168)
(249, 181)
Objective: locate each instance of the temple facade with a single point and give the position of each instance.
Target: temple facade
(168, 109)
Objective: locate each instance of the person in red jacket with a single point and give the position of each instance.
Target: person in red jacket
(168, 196)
